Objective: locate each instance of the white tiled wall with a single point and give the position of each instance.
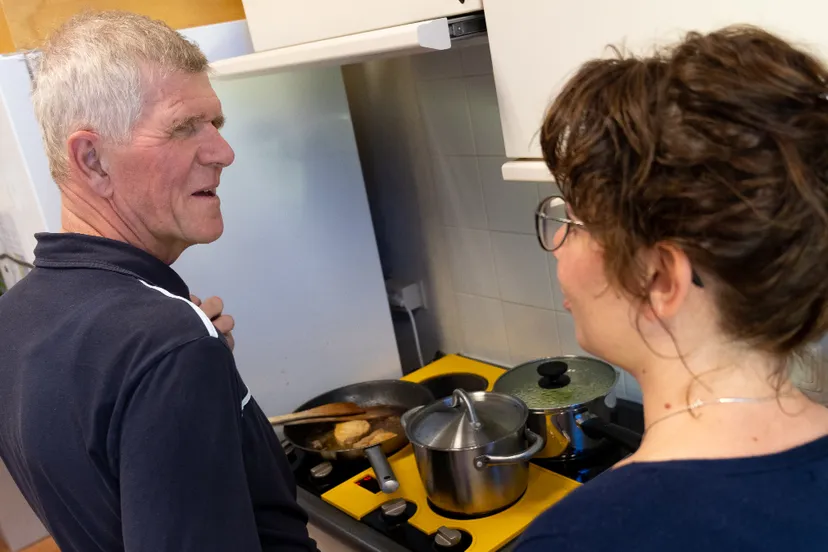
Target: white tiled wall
(495, 289)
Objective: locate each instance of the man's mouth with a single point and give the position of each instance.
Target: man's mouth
(211, 192)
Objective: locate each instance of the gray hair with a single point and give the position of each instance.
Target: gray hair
(88, 76)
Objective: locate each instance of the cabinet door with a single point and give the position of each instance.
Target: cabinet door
(280, 23)
(537, 44)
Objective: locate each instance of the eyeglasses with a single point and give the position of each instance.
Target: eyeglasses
(552, 214)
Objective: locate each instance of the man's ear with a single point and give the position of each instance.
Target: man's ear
(86, 163)
(670, 280)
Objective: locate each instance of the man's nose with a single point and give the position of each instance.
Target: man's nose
(217, 151)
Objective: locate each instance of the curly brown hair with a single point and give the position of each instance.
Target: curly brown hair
(717, 145)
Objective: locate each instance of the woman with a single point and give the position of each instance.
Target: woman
(692, 247)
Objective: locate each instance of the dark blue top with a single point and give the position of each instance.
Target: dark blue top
(123, 419)
(770, 503)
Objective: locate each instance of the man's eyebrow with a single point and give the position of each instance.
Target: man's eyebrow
(217, 121)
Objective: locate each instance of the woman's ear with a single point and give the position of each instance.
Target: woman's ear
(670, 279)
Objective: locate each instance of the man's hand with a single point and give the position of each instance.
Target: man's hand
(213, 308)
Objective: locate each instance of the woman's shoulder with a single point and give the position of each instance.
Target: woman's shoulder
(597, 514)
(693, 504)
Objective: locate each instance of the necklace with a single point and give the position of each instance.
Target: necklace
(724, 400)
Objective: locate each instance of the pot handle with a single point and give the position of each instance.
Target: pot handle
(595, 428)
(461, 397)
(538, 442)
(382, 469)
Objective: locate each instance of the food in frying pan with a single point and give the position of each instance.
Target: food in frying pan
(374, 438)
(348, 433)
(328, 437)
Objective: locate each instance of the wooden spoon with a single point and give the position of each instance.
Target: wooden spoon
(369, 413)
(324, 411)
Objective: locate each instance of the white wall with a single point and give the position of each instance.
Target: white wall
(20, 213)
(429, 134)
(28, 174)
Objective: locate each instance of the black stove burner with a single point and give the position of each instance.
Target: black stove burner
(445, 384)
(587, 465)
(454, 515)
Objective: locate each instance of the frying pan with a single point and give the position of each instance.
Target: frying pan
(396, 393)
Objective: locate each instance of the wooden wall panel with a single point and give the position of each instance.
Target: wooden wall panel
(6, 46)
(29, 21)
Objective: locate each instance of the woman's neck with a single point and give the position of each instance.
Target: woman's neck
(670, 384)
(776, 416)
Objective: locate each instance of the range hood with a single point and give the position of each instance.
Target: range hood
(419, 37)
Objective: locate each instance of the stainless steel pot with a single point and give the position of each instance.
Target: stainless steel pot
(570, 400)
(473, 450)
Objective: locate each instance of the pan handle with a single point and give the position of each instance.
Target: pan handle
(596, 428)
(385, 475)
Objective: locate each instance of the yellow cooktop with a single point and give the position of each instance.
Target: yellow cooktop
(453, 364)
(489, 533)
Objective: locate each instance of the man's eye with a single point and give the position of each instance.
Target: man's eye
(185, 129)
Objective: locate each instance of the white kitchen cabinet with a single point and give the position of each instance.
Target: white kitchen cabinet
(280, 23)
(537, 44)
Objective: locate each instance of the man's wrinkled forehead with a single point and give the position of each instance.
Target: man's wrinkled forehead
(177, 95)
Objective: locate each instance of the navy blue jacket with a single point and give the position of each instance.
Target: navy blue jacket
(123, 419)
(769, 503)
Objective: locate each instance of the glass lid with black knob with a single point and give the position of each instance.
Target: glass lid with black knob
(558, 382)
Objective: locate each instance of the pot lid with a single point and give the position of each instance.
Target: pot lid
(466, 420)
(558, 382)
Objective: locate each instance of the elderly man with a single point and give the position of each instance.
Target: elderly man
(123, 418)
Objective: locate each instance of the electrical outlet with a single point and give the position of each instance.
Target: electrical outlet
(402, 295)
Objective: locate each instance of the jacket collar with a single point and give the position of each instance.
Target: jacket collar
(67, 250)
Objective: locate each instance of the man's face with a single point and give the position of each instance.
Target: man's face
(164, 180)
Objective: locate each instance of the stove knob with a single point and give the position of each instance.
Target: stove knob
(394, 508)
(287, 446)
(321, 470)
(447, 538)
